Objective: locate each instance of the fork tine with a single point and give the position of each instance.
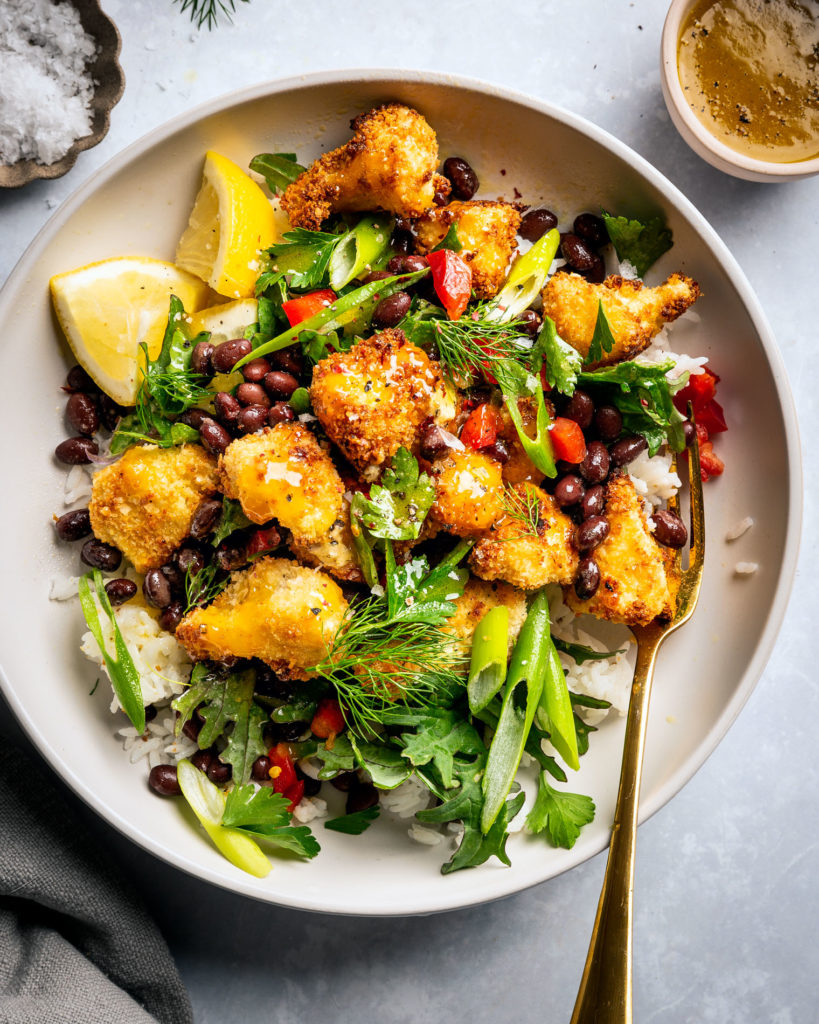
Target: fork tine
(697, 549)
(674, 501)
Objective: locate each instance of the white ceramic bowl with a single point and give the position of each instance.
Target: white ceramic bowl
(694, 131)
(139, 203)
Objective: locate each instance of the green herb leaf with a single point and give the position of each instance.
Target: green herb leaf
(397, 507)
(336, 759)
(641, 244)
(581, 654)
(602, 339)
(300, 401)
(278, 169)
(562, 362)
(386, 765)
(417, 594)
(438, 739)
(121, 670)
(203, 586)
(450, 240)
(354, 824)
(559, 815)
(263, 813)
(232, 519)
(476, 848)
(207, 12)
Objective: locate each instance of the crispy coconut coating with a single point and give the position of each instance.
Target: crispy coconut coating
(283, 473)
(635, 313)
(143, 504)
(509, 551)
(468, 492)
(488, 233)
(276, 610)
(477, 599)
(373, 399)
(638, 577)
(389, 164)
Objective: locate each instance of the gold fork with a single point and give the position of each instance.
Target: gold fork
(605, 993)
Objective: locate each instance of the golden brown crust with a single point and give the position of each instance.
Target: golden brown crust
(638, 577)
(276, 610)
(468, 492)
(373, 399)
(389, 164)
(635, 312)
(487, 231)
(143, 504)
(510, 551)
(334, 552)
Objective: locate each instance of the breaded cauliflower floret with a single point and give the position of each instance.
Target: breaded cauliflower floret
(373, 399)
(488, 233)
(283, 473)
(276, 610)
(468, 492)
(635, 313)
(638, 577)
(477, 599)
(512, 552)
(143, 504)
(389, 164)
(334, 551)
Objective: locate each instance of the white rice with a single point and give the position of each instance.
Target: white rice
(309, 809)
(157, 745)
(77, 486)
(739, 529)
(746, 568)
(407, 799)
(63, 588)
(653, 478)
(424, 834)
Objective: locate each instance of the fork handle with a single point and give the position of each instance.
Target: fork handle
(605, 993)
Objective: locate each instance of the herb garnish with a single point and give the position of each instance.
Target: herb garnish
(559, 815)
(602, 338)
(354, 824)
(203, 586)
(263, 814)
(278, 169)
(641, 244)
(524, 509)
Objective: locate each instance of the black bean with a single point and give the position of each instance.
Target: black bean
(588, 578)
(344, 781)
(227, 407)
(74, 525)
(205, 518)
(593, 502)
(81, 414)
(162, 780)
(595, 467)
(78, 380)
(74, 451)
(202, 759)
(406, 264)
(100, 556)
(311, 786)
(608, 422)
(530, 322)
(190, 560)
(214, 437)
(231, 554)
(254, 371)
(591, 532)
(225, 356)
(401, 241)
(193, 418)
(627, 450)
(361, 796)
(669, 529)
(252, 418)
(596, 273)
(252, 394)
(156, 588)
(433, 441)
(121, 590)
(175, 577)
(280, 412)
(260, 772)
(280, 385)
(109, 412)
(536, 223)
(376, 275)
(591, 229)
(576, 252)
(193, 727)
(391, 311)
(689, 432)
(172, 616)
(287, 359)
(497, 451)
(267, 682)
(201, 358)
(289, 732)
(463, 179)
(150, 712)
(569, 490)
(219, 772)
(580, 408)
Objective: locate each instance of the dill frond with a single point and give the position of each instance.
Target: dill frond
(524, 509)
(208, 12)
(204, 586)
(478, 343)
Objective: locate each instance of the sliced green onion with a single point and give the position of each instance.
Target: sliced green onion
(539, 448)
(121, 670)
(527, 277)
(554, 713)
(487, 668)
(360, 249)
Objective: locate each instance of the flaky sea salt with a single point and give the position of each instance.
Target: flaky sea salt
(45, 89)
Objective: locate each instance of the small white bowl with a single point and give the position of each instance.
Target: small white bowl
(694, 131)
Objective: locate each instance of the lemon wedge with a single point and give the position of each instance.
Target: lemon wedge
(107, 309)
(231, 220)
(227, 321)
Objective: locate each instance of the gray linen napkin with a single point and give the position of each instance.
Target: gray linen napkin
(76, 944)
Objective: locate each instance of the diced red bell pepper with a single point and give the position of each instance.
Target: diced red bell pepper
(567, 440)
(711, 417)
(305, 306)
(710, 463)
(294, 795)
(481, 427)
(452, 279)
(700, 389)
(263, 540)
(328, 720)
(283, 771)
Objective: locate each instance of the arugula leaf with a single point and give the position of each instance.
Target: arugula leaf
(223, 699)
(337, 759)
(232, 519)
(384, 763)
(450, 240)
(476, 848)
(263, 813)
(642, 244)
(278, 169)
(121, 670)
(354, 824)
(559, 815)
(438, 739)
(581, 653)
(397, 507)
(602, 339)
(562, 362)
